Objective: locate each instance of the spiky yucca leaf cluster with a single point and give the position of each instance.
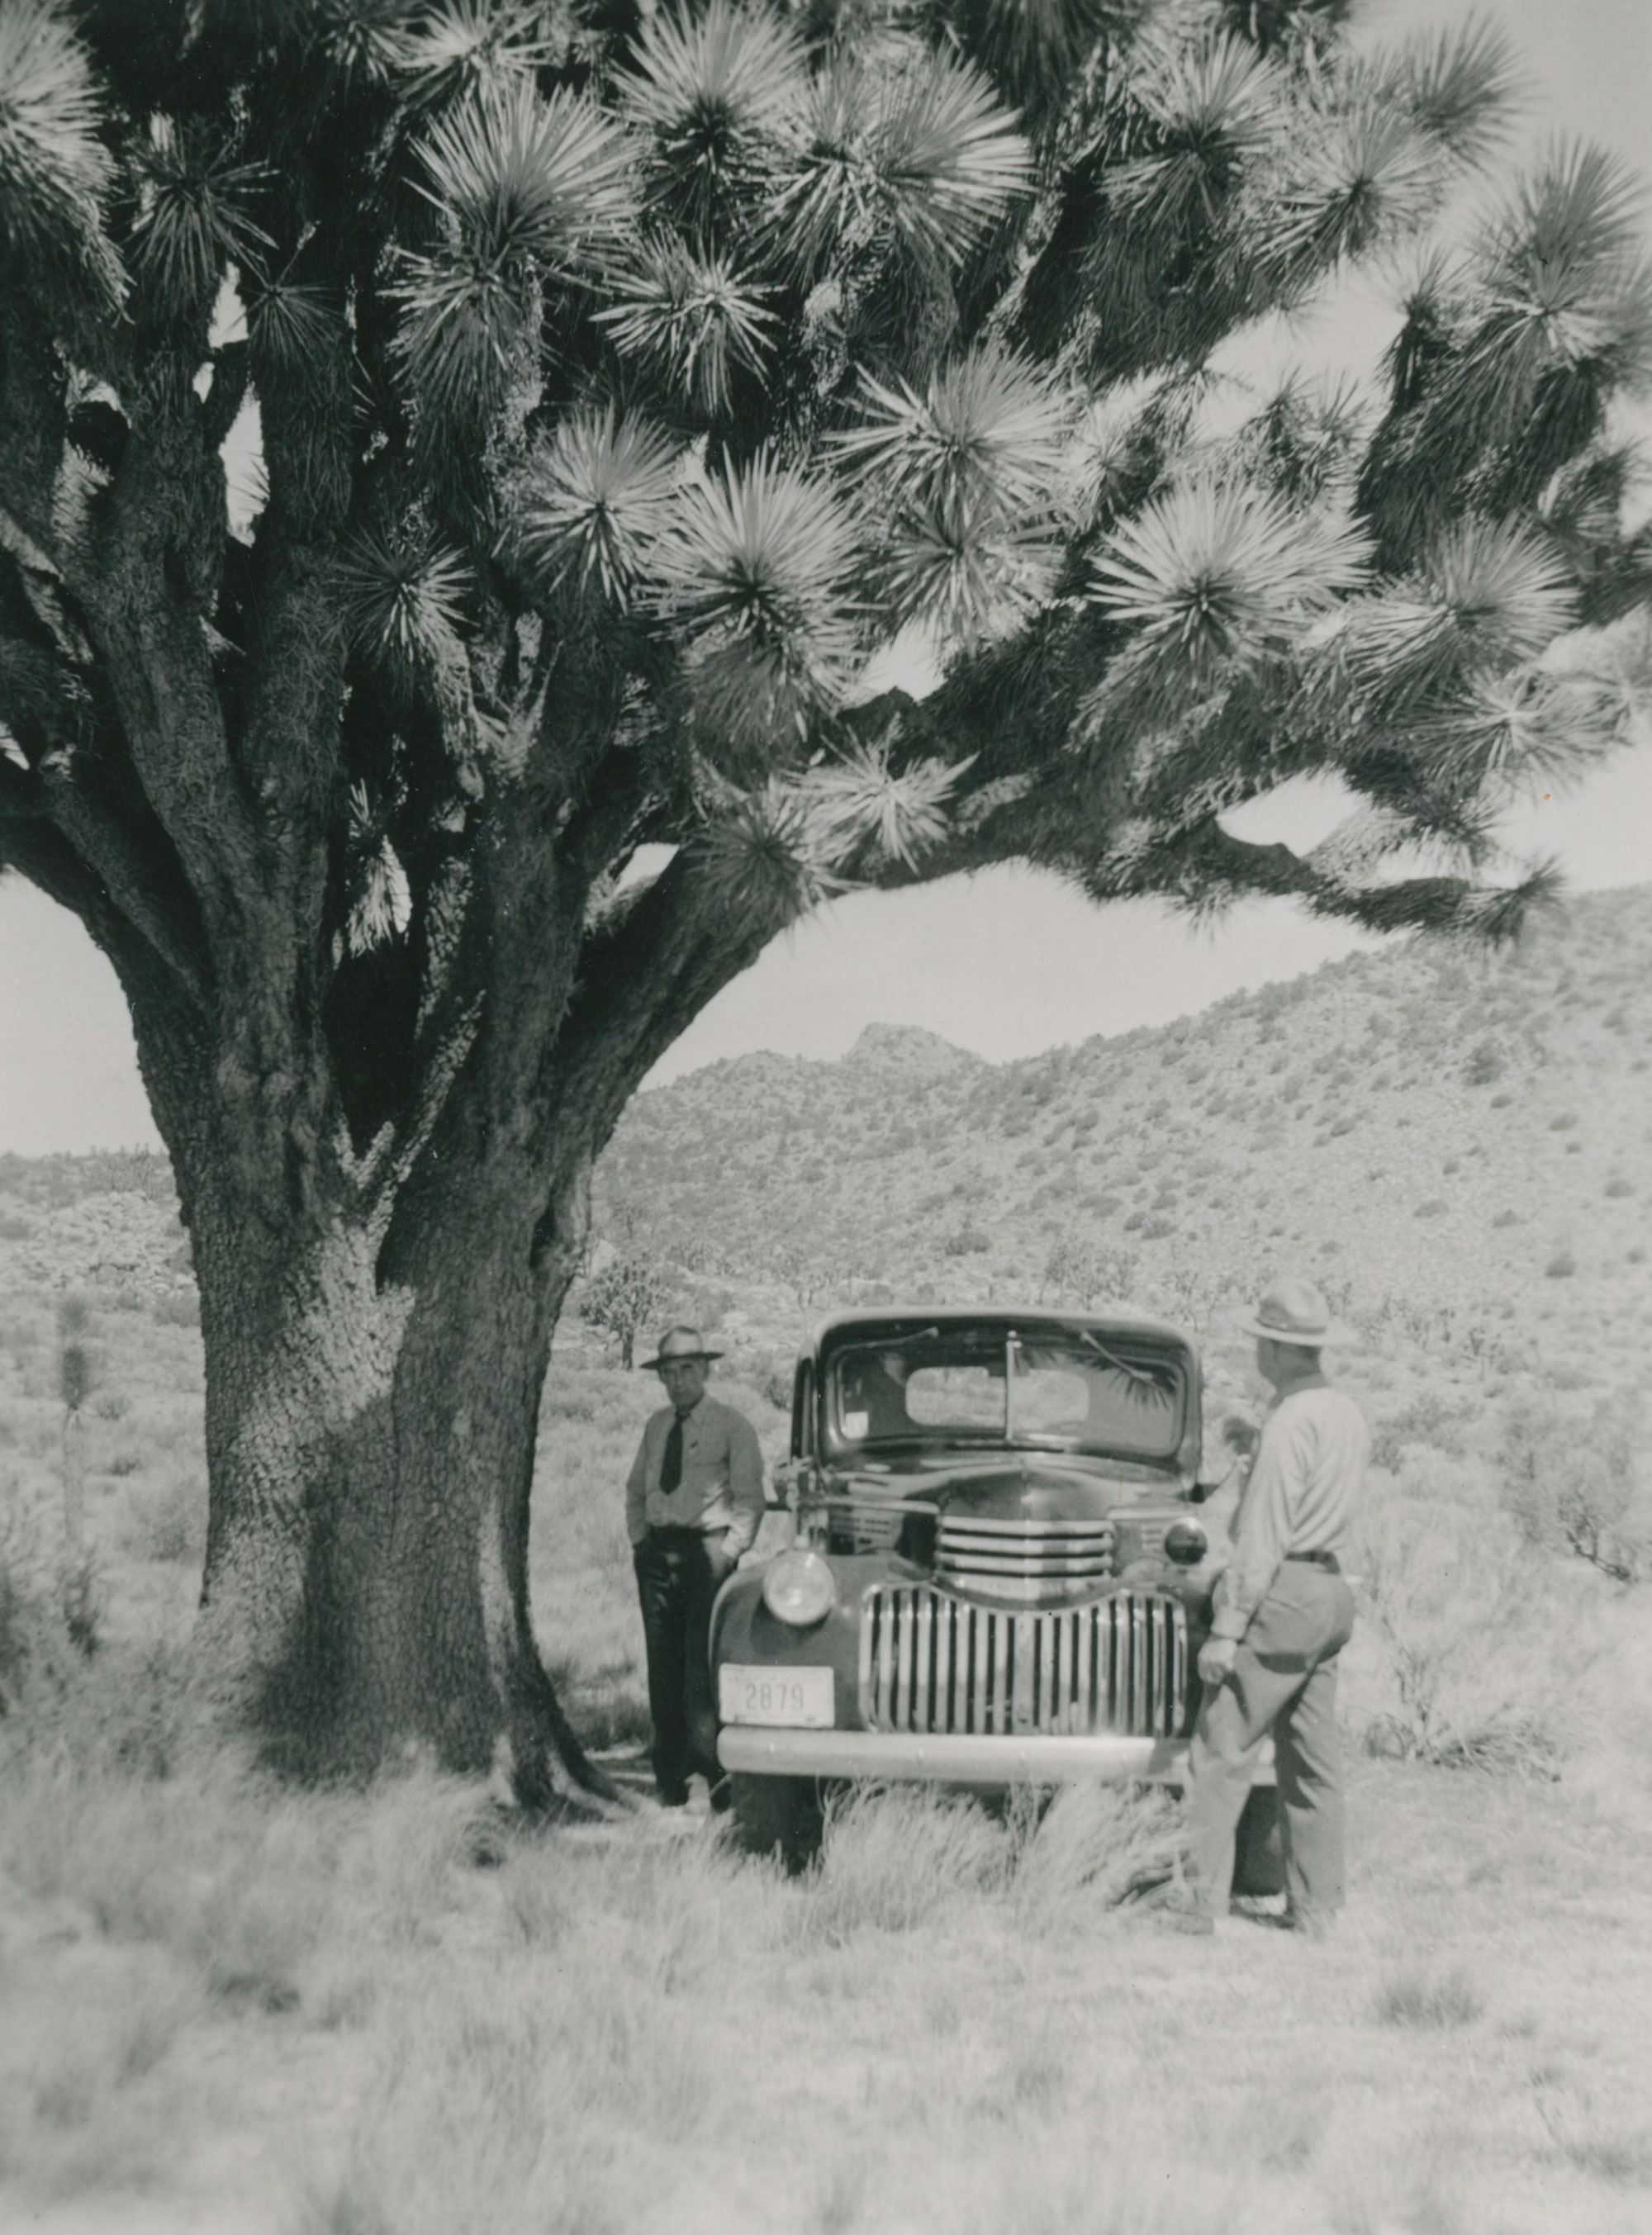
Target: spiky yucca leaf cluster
(1216, 575)
(894, 815)
(195, 203)
(1507, 360)
(757, 567)
(965, 477)
(527, 189)
(55, 170)
(626, 385)
(766, 858)
(691, 321)
(402, 599)
(597, 502)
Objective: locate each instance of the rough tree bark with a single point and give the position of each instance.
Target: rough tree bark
(371, 1432)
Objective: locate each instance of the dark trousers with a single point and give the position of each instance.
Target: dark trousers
(1284, 1681)
(676, 1587)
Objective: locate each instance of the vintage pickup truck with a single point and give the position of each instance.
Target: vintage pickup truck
(999, 1573)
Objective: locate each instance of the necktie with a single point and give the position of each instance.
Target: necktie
(671, 1468)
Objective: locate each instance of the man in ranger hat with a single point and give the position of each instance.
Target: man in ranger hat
(1283, 1613)
(693, 1501)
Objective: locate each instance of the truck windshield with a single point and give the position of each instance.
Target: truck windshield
(1063, 1390)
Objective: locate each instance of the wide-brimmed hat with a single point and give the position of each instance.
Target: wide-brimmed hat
(677, 1344)
(1292, 1310)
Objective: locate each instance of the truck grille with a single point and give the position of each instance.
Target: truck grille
(1024, 1559)
(930, 1663)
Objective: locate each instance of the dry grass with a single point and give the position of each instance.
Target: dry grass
(315, 2014)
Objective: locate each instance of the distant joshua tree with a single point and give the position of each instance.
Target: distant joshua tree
(624, 1297)
(602, 389)
(76, 1379)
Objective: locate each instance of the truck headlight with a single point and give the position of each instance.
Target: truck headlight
(1186, 1544)
(799, 1588)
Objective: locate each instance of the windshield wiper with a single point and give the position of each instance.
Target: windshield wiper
(1121, 1365)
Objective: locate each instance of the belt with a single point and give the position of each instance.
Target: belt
(1327, 1560)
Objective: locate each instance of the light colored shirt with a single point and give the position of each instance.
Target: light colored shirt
(1304, 1491)
(721, 1487)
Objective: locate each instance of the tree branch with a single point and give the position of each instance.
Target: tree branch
(31, 424)
(37, 850)
(150, 587)
(641, 984)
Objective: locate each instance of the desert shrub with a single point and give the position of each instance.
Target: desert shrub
(1420, 1999)
(1434, 1207)
(1562, 1266)
(966, 1240)
(1618, 1188)
(1485, 1064)
(1574, 1484)
(180, 1308)
(1484, 1656)
(40, 1644)
(1430, 1419)
(168, 1522)
(1506, 1219)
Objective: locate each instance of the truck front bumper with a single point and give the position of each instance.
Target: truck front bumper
(954, 1758)
(961, 1758)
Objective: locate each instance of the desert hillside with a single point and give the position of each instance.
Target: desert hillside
(1437, 1131)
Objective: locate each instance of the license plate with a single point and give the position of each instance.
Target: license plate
(800, 1697)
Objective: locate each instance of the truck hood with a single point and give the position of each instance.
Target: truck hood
(1029, 1490)
(1023, 1486)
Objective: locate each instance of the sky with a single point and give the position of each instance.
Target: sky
(1007, 962)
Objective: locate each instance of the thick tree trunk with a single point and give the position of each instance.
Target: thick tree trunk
(371, 1421)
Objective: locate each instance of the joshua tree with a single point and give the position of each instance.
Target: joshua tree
(600, 389)
(76, 1377)
(625, 1296)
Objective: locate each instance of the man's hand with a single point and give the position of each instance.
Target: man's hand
(721, 1561)
(1217, 1657)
